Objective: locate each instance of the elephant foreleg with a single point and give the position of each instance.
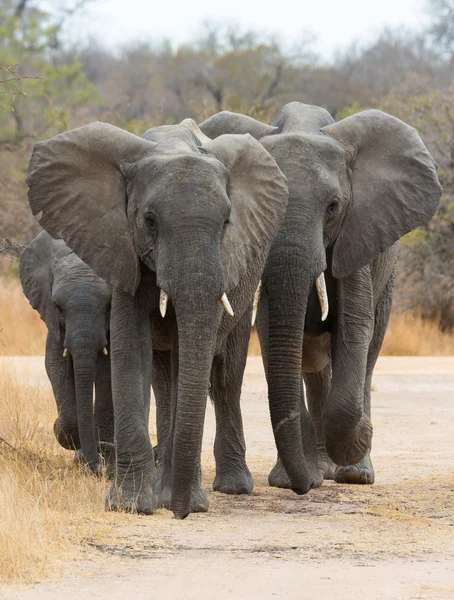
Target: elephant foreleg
(348, 429)
(317, 391)
(104, 415)
(165, 419)
(232, 473)
(131, 355)
(162, 388)
(363, 472)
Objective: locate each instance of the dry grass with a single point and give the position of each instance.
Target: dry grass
(408, 335)
(23, 333)
(48, 505)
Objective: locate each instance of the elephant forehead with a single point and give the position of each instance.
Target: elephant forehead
(179, 172)
(168, 182)
(71, 269)
(309, 161)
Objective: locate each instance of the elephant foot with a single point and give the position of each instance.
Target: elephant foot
(234, 481)
(362, 473)
(107, 452)
(351, 449)
(278, 476)
(105, 465)
(326, 467)
(95, 466)
(199, 501)
(67, 434)
(131, 497)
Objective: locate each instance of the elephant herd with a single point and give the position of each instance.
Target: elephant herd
(158, 253)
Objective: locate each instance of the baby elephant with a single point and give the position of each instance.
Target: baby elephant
(74, 303)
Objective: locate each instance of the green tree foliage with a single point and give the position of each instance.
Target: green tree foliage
(42, 95)
(42, 103)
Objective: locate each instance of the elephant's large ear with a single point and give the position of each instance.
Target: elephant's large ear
(234, 123)
(258, 194)
(35, 272)
(394, 182)
(77, 181)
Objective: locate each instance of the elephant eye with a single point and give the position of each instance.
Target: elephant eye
(151, 224)
(333, 208)
(58, 307)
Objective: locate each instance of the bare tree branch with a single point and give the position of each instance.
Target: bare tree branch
(6, 246)
(269, 93)
(20, 8)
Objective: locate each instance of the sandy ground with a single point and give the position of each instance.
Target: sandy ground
(392, 540)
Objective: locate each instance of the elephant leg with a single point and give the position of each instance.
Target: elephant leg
(162, 388)
(278, 476)
(165, 387)
(133, 488)
(104, 415)
(232, 473)
(61, 375)
(363, 472)
(317, 390)
(348, 429)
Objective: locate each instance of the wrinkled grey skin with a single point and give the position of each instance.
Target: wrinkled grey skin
(355, 187)
(74, 303)
(177, 212)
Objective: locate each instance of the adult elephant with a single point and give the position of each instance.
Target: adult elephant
(74, 303)
(173, 222)
(355, 187)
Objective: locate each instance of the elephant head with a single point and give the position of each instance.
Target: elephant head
(200, 214)
(355, 187)
(74, 303)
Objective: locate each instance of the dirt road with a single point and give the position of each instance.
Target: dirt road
(391, 540)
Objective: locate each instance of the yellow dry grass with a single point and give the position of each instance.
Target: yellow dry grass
(23, 333)
(48, 505)
(408, 335)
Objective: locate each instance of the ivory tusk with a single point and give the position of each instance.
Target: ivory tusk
(65, 352)
(255, 304)
(163, 299)
(105, 352)
(322, 295)
(226, 304)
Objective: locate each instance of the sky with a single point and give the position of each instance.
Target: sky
(336, 23)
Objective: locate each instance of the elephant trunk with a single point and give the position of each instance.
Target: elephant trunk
(288, 291)
(195, 294)
(85, 339)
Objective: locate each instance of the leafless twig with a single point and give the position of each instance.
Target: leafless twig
(11, 70)
(6, 246)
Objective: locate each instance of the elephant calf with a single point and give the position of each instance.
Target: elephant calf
(74, 303)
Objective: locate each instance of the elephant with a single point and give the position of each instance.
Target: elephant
(74, 303)
(355, 188)
(179, 226)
